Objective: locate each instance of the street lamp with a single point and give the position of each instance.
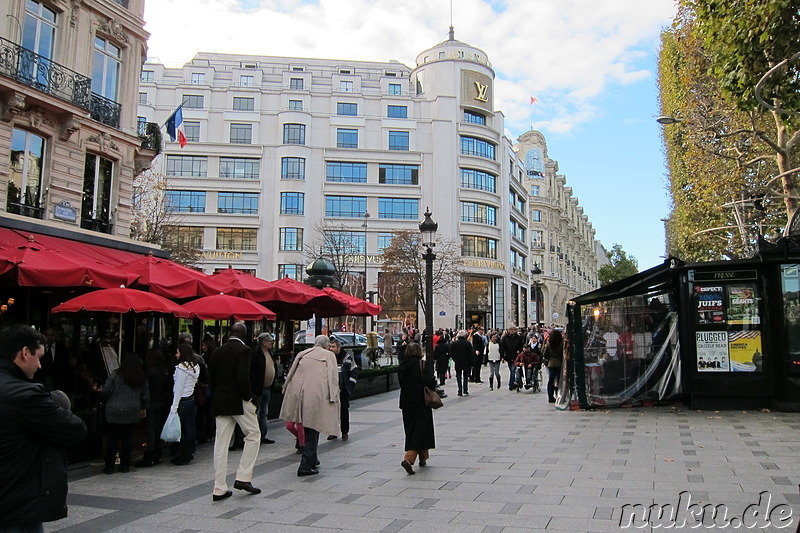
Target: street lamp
(364, 225)
(535, 272)
(666, 120)
(428, 231)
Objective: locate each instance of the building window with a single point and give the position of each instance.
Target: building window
(291, 240)
(294, 134)
(534, 190)
(295, 105)
(397, 111)
(395, 89)
(398, 174)
(292, 203)
(536, 215)
(192, 131)
(148, 76)
(398, 140)
(105, 69)
(474, 118)
(96, 206)
(346, 86)
(141, 126)
(384, 241)
(195, 166)
(346, 109)
(517, 230)
(38, 36)
(186, 201)
(291, 271)
(398, 208)
(242, 203)
(247, 81)
(478, 213)
(239, 167)
(143, 98)
(344, 242)
(193, 101)
(345, 206)
(477, 179)
(346, 138)
(537, 240)
(293, 168)
(185, 237)
(240, 103)
(237, 239)
(474, 246)
(296, 84)
(346, 172)
(198, 78)
(241, 133)
(25, 179)
(473, 146)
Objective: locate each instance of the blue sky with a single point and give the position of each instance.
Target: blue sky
(590, 63)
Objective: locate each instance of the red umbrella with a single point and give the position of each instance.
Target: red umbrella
(170, 279)
(241, 284)
(224, 307)
(300, 301)
(34, 265)
(355, 306)
(121, 300)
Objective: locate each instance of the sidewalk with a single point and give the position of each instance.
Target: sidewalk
(505, 462)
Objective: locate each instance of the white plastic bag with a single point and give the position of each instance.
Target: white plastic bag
(172, 428)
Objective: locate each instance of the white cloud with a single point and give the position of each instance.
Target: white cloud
(566, 53)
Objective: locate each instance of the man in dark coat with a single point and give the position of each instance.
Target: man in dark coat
(479, 345)
(58, 368)
(34, 432)
(510, 346)
(463, 354)
(231, 404)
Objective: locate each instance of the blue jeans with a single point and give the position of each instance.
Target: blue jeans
(34, 527)
(263, 410)
(187, 412)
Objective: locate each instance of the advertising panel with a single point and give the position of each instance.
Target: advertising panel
(712, 351)
(742, 308)
(745, 350)
(710, 304)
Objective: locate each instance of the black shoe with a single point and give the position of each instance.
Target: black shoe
(299, 451)
(345, 436)
(551, 400)
(312, 472)
(332, 437)
(218, 497)
(407, 466)
(461, 394)
(423, 462)
(267, 441)
(180, 461)
(466, 393)
(108, 470)
(124, 469)
(246, 486)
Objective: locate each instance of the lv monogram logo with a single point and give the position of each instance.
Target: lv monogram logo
(482, 90)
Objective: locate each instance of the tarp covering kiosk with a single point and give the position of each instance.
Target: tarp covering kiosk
(624, 342)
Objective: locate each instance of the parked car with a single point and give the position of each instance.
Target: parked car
(349, 340)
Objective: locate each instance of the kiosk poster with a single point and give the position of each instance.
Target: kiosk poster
(742, 308)
(712, 351)
(710, 304)
(745, 350)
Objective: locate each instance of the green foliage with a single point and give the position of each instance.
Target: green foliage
(622, 265)
(374, 372)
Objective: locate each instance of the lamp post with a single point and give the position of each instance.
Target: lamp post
(364, 225)
(535, 272)
(428, 231)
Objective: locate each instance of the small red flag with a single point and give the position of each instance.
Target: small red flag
(533, 100)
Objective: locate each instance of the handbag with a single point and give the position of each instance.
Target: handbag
(432, 399)
(172, 428)
(99, 421)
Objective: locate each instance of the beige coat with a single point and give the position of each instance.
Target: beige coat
(311, 391)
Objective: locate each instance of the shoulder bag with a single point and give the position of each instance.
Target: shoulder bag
(432, 399)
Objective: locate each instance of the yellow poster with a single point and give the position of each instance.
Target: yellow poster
(744, 348)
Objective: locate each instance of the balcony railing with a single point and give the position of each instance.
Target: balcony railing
(150, 134)
(44, 74)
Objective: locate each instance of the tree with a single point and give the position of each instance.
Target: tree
(344, 248)
(621, 266)
(403, 259)
(154, 222)
(717, 164)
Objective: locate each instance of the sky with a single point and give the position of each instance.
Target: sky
(590, 64)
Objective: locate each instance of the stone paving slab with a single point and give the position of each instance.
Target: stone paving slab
(505, 463)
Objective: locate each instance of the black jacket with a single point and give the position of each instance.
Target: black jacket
(34, 433)
(229, 373)
(510, 346)
(479, 345)
(462, 353)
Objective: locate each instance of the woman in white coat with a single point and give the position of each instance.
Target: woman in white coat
(311, 398)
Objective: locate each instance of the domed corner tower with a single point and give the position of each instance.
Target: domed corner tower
(456, 69)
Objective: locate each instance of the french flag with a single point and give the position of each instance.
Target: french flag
(175, 127)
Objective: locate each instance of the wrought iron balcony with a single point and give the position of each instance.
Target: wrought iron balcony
(44, 74)
(150, 134)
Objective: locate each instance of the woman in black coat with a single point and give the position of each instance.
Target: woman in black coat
(417, 417)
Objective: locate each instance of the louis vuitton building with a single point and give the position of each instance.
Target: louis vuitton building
(282, 149)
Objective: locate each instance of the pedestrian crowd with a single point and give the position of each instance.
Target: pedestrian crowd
(224, 391)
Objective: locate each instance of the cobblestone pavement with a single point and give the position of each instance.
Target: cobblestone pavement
(504, 462)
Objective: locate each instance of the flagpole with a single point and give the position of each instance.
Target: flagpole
(173, 113)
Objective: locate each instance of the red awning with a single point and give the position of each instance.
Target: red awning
(355, 306)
